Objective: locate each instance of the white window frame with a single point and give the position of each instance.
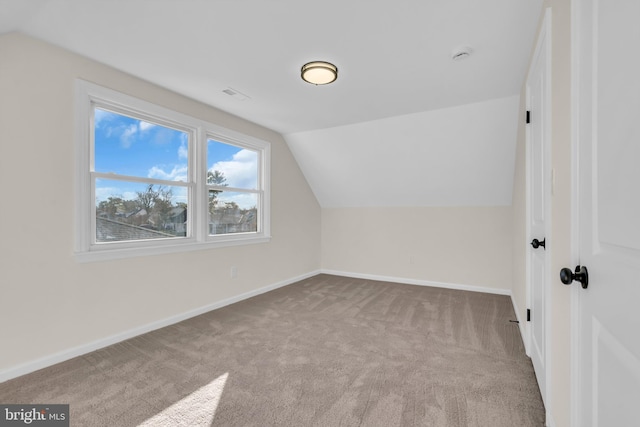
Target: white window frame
(88, 96)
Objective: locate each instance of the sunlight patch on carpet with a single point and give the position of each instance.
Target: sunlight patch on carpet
(195, 410)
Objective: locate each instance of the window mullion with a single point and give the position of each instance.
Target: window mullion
(232, 189)
(200, 178)
(127, 178)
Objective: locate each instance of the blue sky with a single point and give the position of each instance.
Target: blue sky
(128, 146)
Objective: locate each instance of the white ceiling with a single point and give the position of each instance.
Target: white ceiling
(393, 56)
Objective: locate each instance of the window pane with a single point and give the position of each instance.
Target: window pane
(138, 211)
(231, 212)
(128, 146)
(231, 166)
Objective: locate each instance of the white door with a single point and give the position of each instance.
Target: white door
(538, 204)
(607, 322)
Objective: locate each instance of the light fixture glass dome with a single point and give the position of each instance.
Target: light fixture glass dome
(319, 72)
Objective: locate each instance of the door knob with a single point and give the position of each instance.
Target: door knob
(581, 275)
(537, 243)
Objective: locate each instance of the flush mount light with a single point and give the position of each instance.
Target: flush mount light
(319, 72)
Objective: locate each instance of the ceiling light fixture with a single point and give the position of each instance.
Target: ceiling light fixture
(319, 72)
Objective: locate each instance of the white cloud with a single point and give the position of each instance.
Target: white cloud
(103, 193)
(243, 200)
(101, 115)
(127, 134)
(144, 126)
(178, 173)
(183, 150)
(126, 138)
(241, 171)
(129, 195)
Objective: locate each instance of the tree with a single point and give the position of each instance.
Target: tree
(111, 207)
(156, 203)
(163, 205)
(216, 178)
(147, 199)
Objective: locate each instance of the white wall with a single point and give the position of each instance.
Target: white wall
(50, 303)
(468, 246)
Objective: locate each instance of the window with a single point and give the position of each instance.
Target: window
(232, 186)
(151, 180)
(140, 178)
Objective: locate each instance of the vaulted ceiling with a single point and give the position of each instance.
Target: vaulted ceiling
(401, 108)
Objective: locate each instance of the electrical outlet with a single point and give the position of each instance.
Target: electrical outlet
(234, 272)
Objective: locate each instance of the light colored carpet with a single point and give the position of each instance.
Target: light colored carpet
(326, 351)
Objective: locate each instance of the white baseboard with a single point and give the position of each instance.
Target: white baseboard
(62, 356)
(549, 420)
(419, 282)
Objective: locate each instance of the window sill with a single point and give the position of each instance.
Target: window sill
(108, 254)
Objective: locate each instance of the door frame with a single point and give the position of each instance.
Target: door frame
(543, 41)
(576, 294)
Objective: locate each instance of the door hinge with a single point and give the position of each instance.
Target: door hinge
(528, 119)
(528, 315)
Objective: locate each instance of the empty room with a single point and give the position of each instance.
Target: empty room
(286, 213)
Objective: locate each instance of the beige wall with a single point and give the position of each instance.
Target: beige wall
(559, 398)
(457, 245)
(49, 302)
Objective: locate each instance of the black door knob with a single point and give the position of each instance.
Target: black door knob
(537, 243)
(581, 275)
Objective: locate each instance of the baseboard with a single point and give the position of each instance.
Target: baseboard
(521, 325)
(549, 420)
(62, 356)
(419, 282)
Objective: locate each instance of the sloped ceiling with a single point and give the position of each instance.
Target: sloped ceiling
(459, 156)
(395, 67)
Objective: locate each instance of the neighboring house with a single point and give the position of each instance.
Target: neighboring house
(230, 220)
(177, 221)
(108, 230)
(136, 213)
